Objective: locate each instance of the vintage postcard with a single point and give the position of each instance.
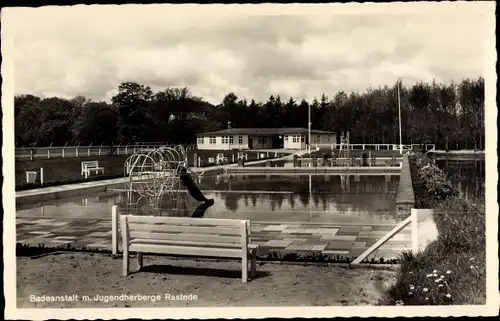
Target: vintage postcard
(266, 160)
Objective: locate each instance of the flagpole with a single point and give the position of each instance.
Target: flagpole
(399, 108)
(309, 131)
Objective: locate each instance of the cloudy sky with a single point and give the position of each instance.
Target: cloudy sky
(254, 52)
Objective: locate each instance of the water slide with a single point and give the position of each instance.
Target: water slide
(201, 209)
(193, 188)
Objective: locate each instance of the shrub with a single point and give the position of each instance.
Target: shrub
(451, 270)
(437, 185)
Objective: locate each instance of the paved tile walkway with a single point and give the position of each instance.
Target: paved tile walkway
(302, 238)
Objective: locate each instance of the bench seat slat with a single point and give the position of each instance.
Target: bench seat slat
(192, 243)
(188, 237)
(177, 220)
(184, 236)
(185, 229)
(183, 250)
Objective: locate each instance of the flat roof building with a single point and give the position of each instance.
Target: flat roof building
(264, 138)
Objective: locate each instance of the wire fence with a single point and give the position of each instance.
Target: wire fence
(90, 150)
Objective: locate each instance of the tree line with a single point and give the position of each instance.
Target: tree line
(448, 115)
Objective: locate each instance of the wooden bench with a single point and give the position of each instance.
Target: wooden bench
(221, 160)
(88, 166)
(201, 237)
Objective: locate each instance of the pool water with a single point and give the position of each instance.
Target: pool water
(346, 199)
(468, 176)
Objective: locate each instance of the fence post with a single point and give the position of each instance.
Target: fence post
(48, 150)
(99, 152)
(41, 176)
(76, 149)
(114, 229)
(414, 232)
(88, 149)
(118, 149)
(126, 149)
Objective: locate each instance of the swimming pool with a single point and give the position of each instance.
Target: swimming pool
(345, 199)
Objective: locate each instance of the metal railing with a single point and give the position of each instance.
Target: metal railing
(389, 147)
(90, 150)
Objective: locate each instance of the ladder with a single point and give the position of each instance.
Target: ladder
(345, 149)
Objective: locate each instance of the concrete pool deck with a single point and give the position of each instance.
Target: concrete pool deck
(331, 239)
(302, 238)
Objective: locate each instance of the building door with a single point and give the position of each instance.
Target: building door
(277, 142)
(250, 142)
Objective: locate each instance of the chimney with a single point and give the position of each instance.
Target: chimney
(228, 125)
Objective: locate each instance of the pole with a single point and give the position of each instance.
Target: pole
(310, 197)
(399, 108)
(309, 132)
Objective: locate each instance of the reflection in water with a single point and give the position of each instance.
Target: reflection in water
(300, 183)
(302, 198)
(275, 198)
(468, 176)
(200, 210)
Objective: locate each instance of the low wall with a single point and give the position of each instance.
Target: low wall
(405, 197)
(315, 170)
(424, 229)
(63, 191)
(71, 190)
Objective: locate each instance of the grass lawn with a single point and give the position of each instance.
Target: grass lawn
(452, 269)
(58, 171)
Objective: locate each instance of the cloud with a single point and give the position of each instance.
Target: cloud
(90, 50)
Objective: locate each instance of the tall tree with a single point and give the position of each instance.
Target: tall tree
(132, 101)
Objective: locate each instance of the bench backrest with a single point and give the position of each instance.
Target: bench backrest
(223, 233)
(90, 164)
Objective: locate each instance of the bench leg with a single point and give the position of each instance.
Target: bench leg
(125, 261)
(244, 268)
(139, 260)
(253, 264)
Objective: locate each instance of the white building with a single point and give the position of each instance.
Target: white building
(264, 138)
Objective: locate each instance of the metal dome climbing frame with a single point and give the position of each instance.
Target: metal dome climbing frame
(154, 173)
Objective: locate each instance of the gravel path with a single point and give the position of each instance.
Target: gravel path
(210, 283)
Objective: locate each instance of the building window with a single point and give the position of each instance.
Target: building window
(264, 140)
(212, 140)
(225, 139)
(286, 138)
(240, 140)
(318, 139)
(200, 140)
(296, 138)
(231, 140)
(259, 139)
(302, 138)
